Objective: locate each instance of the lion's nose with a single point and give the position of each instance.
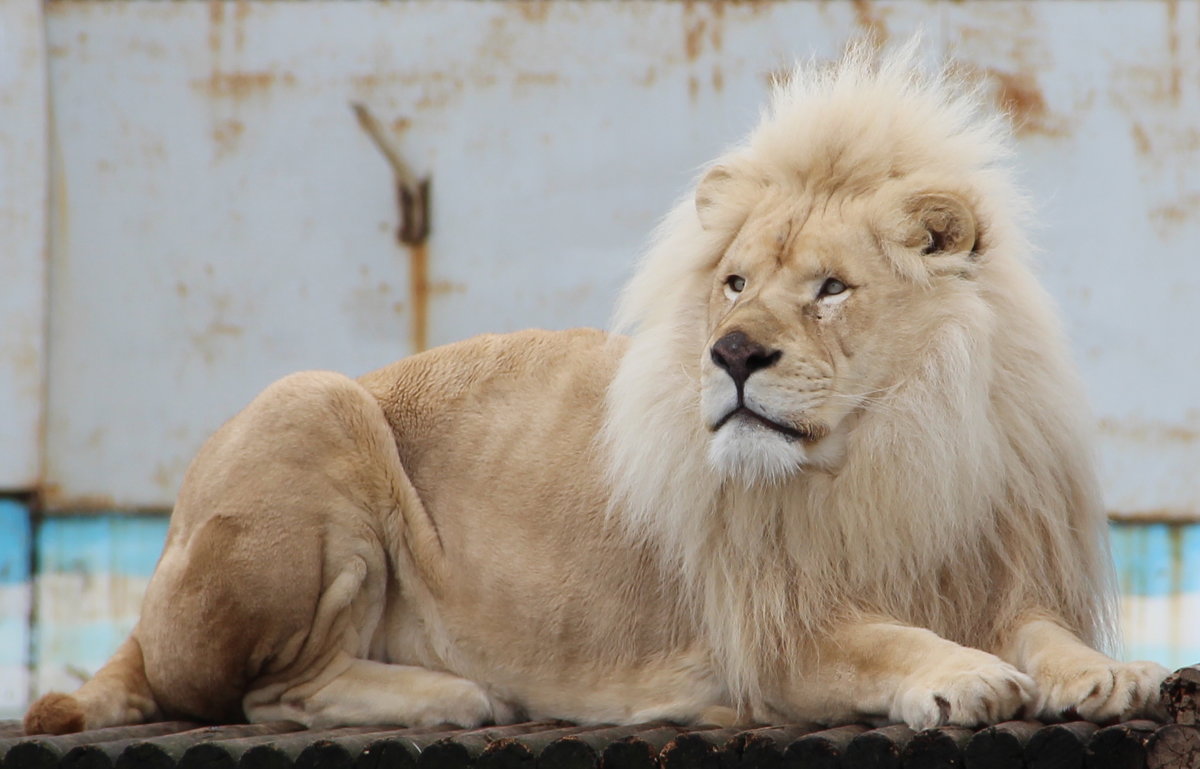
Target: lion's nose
(740, 356)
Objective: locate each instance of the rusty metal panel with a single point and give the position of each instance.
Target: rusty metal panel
(23, 189)
(222, 218)
(225, 220)
(1107, 98)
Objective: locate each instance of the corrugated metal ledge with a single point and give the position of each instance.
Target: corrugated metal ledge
(560, 745)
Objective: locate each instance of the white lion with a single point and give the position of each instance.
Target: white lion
(839, 471)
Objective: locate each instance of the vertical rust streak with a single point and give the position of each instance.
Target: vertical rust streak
(418, 278)
(1173, 49)
(412, 234)
(412, 231)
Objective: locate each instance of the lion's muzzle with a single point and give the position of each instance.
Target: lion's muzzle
(741, 356)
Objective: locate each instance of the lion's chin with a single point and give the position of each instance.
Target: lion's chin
(753, 454)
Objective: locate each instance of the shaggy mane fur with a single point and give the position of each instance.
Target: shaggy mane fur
(966, 496)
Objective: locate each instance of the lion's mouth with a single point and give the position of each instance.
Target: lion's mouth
(806, 435)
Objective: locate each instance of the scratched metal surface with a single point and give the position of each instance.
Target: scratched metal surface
(220, 219)
(23, 209)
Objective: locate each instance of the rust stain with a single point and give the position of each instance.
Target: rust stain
(206, 341)
(401, 124)
(1167, 515)
(149, 48)
(1170, 214)
(435, 88)
(28, 357)
(702, 21)
(1141, 140)
(226, 134)
(533, 10)
(649, 77)
(216, 18)
(693, 34)
(239, 84)
(537, 78)
(413, 197)
(718, 80)
(181, 290)
(1178, 212)
(220, 328)
(716, 31)
(1019, 95)
(52, 497)
(1174, 73)
(241, 10)
(1176, 578)
(1150, 433)
(693, 87)
(163, 477)
(418, 278)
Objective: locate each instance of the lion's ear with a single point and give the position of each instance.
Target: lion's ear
(946, 225)
(709, 192)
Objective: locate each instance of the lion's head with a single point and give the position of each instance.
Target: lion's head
(844, 380)
(817, 303)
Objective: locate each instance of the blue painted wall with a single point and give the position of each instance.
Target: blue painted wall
(16, 545)
(1158, 573)
(91, 574)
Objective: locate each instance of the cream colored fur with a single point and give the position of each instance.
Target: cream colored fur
(572, 525)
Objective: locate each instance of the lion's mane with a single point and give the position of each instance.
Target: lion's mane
(967, 494)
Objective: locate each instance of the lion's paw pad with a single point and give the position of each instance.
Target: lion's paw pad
(1103, 692)
(984, 693)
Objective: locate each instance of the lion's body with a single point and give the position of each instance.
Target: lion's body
(529, 582)
(838, 470)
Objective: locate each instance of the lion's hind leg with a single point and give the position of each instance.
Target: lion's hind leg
(363, 692)
(276, 575)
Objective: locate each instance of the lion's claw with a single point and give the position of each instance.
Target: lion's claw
(1111, 691)
(977, 688)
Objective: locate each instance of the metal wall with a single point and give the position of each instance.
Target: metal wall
(23, 212)
(189, 209)
(219, 218)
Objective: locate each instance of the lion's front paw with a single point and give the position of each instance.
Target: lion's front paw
(970, 688)
(462, 703)
(1102, 691)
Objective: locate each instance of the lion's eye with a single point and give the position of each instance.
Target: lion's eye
(831, 287)
(736, 283)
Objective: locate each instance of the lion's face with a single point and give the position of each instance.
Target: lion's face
(815, 307)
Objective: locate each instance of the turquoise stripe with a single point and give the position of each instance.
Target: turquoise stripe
(15, 536)
(1156, 559)
(14, 641)
(111, 543)
(86, 645)
(1168, 655)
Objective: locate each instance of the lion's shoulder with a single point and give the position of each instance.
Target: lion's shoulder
(501, 374)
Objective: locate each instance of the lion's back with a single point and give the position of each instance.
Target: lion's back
(498, 434)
